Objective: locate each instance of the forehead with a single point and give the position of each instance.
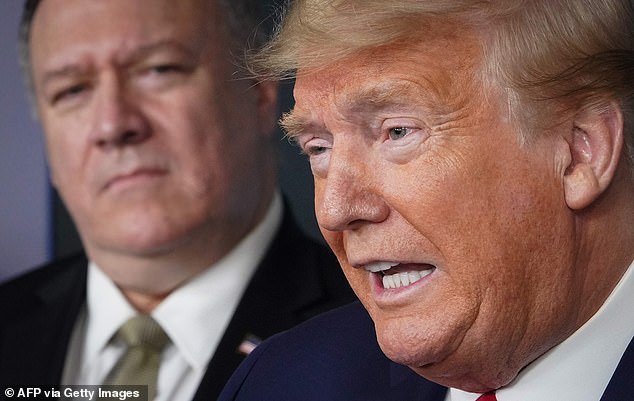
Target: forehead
(440, 67)
(63, 26)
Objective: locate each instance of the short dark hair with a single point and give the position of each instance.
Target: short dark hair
(250, 23)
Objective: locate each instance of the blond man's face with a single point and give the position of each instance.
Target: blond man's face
(455, 237)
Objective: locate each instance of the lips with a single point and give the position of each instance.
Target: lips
(134, 175)
(398, 275)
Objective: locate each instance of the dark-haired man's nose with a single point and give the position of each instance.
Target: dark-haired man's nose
(117, 119)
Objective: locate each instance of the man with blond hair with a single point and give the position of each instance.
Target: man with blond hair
(474, 176)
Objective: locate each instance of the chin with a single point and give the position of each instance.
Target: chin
(433, 363)
(409, 345)
(141, 241)
(473, 378)
(419, 338)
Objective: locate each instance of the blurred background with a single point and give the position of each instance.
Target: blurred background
(25, 208)
(34, 226)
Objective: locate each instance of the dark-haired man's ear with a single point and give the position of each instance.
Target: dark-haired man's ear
(596, 146)
(267, 105)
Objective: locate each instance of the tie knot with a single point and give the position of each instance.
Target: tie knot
(143, 331)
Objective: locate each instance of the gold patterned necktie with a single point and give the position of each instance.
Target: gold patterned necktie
(145, 340)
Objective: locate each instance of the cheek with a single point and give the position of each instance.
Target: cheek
(335, 242)
(65, 159)
(358, 278)
(69, 146)
(492, 223)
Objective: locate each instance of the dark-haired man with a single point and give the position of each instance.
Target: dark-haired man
(162, 152)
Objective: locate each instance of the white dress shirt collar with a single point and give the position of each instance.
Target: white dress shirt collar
(194, 316)
(580, 368)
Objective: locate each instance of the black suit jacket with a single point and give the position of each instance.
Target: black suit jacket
(336, 357)
(297, 279)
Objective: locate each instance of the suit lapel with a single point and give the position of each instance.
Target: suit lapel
(621, 386)
(283, 292)
(37, 336)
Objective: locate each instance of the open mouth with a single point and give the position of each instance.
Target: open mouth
(398, 275)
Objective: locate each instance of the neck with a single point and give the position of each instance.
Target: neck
(606, 238)
(147, 278)
(142, 302)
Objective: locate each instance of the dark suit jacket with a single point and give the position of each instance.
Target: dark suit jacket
(336, 357)
(297, 279)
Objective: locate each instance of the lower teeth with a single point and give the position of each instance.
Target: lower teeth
(403, 279)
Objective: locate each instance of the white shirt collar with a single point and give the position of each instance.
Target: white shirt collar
(579, 368)
(194, 316)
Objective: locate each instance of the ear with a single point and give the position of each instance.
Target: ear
(267, 105)
(595, 146)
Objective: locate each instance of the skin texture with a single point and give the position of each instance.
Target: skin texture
(161, 154)
(423, 168)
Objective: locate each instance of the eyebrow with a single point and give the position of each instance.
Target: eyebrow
(63, 72)
(294, 124)
(163, 45)
(371, 99)
(379, 97)
(74, 68)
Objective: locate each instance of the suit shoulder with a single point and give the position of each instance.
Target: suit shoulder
(68, 265)
(334, 357)
(308, 264)
(351, 320)
(315, 361)
(57, 274)
(342, 330)
(292, 239)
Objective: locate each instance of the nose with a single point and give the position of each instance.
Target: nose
(118, 118)
(348, 197)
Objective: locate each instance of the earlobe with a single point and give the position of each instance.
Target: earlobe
(595, 146)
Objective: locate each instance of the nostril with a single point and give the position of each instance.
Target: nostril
(130, 137)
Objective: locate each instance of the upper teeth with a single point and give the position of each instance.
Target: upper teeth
(379, 266)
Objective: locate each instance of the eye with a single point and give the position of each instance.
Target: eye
(166, 68)
(162, 70)
(314, 150)
(311, 145)
(68, 93)
(161, 75)
(317, 149)
(399, 132)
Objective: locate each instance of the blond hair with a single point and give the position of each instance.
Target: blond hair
(542, 52)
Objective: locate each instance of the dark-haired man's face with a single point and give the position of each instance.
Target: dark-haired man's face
(152, 142)
(454, 235)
